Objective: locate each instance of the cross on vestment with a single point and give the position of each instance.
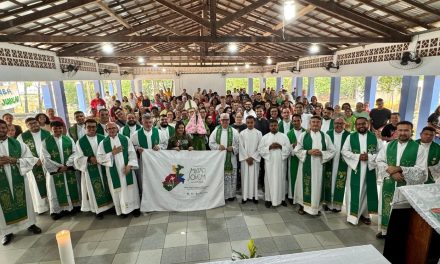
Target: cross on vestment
(59, 184)
(72, 180)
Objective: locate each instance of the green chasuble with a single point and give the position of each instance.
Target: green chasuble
(114, 170)
(307, 166)
(281, 126)
(228, 162)
(142, 138)
(171, 131)
(408, 159)
(294, 161)
(58, 177)
(99, 129)
(73, 132)
(13, 202)
(370, 178)
(100, 187)
(38, 171)
(433, 158)
(341, 174)
(126, 130)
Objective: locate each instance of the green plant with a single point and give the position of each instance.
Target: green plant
(252, 252)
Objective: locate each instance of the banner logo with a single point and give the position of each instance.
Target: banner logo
(173, 179)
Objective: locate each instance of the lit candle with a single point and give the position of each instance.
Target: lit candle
(65, 247)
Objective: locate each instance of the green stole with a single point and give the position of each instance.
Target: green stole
(38, 171)
(73, 132)
(331, 126)
(294, 161)
(307, 166)
(126, 130)
(281, 126)
(142, 138)
(58, 177)
(100, 129)
(100, 187)
(113, 170)
(171, 131)
(370, 178)
(408, 159)
(341, 174)
(433, 158)
(13, 204)
(228, 162)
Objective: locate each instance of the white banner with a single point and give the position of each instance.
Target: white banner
(182, 180)
(9, 97)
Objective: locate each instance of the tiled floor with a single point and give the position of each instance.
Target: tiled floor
(189, 237)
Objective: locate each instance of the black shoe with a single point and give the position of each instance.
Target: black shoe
(268, 204)
(336, 210)
(380, 236)
(290, 201)
(34, 229)
(365, 220)
(325, 207)
(123, 216)
(231, 199)
(56, 216)
(137, 213)
(7, 239)
(100, 216)
(75, 210)
(243, 201)
(255, 201)
(283, 203)
(301, 210)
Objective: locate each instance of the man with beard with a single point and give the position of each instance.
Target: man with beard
(104, 118)
(16, 211)
(327, 121)
(118, 155)
(400, 162)
(285, 125)
(432, 151)
(359, 152)
(336, 169)
(77, 130)
(95, 191)
(37, 178)
(293, 162)
(299, 110)
(58, 152)
(166, 130)
(131, 127)
(248, 111)
(274, 148)
(313, 149)
(120, 119)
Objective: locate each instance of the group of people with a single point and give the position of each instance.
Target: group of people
(316, 156)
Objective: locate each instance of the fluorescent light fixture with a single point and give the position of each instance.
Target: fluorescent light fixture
(314, 48)
(107, 48)
(289, 10)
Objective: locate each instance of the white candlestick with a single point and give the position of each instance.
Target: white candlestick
(65, 247)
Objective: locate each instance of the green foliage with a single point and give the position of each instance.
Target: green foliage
(238, 83)
(388, 84)
(287, 83)
(152, 87)
(271, 82)
(126, 87)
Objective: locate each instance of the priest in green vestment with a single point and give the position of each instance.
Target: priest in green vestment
(58, 152)
(166, 130)
(293, 162)
(117, 154)
(285, 125)
(131, 127)
(400, 162)
(336, 169)
(16, 209)
(432, 152)
(33, 138)
(359, 152)
(95, 191)
(104, 118)
(313, 150)
(77, 130)
(327, 121)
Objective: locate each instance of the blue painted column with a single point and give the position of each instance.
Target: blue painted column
(299, 86)
(81, 98)
(97, 86)
(311, 88)
(408, 97)
(250, 86)
(370, 90)
(262, 83)
(60, 101)
(139, 86)
(111, 90)
(335, 90)
(279, 83)
(133, 88)
(47, 96)
(119, 89)
(429, 101)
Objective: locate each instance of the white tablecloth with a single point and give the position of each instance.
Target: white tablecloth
(422, 198)
(360, 255)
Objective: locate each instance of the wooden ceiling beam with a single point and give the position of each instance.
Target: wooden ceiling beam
(396, 14)
(44, 13)
(242, 12)
(423, 6)
(260, 53)
(199, 39)
(354, 18)
(111, 13)
(184, 12)
(213, 17)
(27, 7)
